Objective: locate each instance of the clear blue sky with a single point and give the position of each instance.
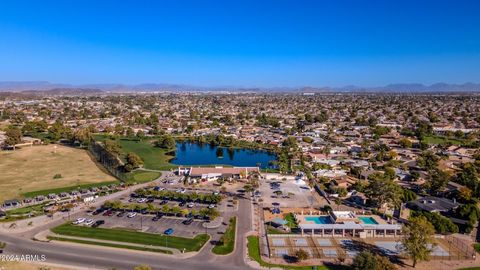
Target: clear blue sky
(242, 43)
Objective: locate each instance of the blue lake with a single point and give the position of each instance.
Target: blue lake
(197, 154)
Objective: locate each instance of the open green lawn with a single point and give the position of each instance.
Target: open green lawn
(292, 223)
(180, 243)
(254, 253)
(227, 242)
(154, 158)
(141, 176)
(26, 209)
(24, 212)
(476, 246)
(442, 140)
(109, 245)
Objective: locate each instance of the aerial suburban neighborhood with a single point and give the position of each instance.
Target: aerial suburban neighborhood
(301, 180)
(240, 135)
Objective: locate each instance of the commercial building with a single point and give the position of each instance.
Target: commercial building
(347, 223)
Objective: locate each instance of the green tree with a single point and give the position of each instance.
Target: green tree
(133, 161)
(166, 142)
(13, 136)
(383, 191)
(417, 239)
(301, 255)
(142, 267)
(365, 260)
(405, 143)
(437, 180)
(428, 160)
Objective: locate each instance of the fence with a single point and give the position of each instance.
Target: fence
(464, 250)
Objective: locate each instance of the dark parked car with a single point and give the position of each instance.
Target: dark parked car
(182, 204)
(163, 202)
(108, 213)
(98, 223)
(121, 214)
(188, 221)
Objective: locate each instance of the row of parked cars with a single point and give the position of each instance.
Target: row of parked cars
(157, 215)
(88, 222)
(95, 224)
(151, 200)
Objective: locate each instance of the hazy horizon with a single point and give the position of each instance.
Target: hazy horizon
(251, 44)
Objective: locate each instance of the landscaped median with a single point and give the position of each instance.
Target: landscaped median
(106, 244)
(226, 245)
(124, 236)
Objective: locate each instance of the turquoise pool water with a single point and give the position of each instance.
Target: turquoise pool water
(319, 219)
(368, 220)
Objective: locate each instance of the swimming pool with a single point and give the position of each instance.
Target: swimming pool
(319, 220)
(368, 220)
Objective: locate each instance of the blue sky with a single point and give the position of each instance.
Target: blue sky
(241, 43)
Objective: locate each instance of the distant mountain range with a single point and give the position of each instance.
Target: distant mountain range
(32, 87)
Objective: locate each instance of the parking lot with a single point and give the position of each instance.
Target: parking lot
(145, 223)
(292, 194)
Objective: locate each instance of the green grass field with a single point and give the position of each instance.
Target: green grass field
(292, 224)
(108, 244)
(24, 212)
(442, 140)
(227, 244)
(141, 176)
(154, 158)
(180, 243)
(253, 246)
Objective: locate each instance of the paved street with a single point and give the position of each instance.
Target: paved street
(76, 255)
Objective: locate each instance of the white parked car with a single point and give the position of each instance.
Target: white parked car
(211, 206)
(89, 222)
(216, 193)
(79, 221)
(131, 215)
(190, 205)
(142, 200)
(181, 190)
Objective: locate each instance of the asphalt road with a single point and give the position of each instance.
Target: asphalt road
(95, 257)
